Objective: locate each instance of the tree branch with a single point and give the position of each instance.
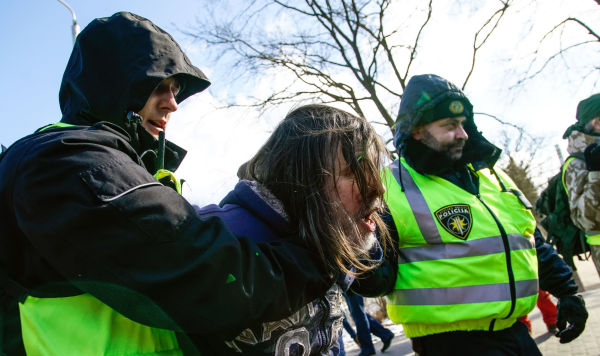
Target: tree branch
(498, 14)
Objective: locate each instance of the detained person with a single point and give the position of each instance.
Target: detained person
(317, 176)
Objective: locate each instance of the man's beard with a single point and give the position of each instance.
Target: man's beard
(453, 150)
(427, 160)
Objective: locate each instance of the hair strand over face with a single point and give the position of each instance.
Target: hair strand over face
(298, 163)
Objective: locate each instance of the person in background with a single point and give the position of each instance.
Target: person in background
(468, 252)
(350, 332)
(317, 176)
(96, 255)
(366, 325)
(581, 177)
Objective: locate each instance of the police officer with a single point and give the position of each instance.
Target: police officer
(96, 255)
(466, 256)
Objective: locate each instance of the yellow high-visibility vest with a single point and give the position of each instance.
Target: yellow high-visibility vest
(83, 325)
(466, 262)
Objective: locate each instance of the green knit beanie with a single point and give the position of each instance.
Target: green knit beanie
(587, 110)
(449, 107)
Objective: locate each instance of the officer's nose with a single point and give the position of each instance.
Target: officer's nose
(461, 133)
(168, 101)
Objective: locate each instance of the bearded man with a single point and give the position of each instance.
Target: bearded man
(466, 263)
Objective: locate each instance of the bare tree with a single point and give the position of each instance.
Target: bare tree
(588, 38)
(521, 160)
(349, 51)
(520, 172)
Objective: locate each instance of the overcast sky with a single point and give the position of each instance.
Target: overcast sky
(37, 44)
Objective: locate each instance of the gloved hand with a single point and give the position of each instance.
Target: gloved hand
(571, 310)
(592, 157)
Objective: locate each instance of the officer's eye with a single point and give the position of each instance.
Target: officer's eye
(175, 88)
(169, 85)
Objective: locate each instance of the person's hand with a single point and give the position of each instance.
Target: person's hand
(571, 311)
(592, 157)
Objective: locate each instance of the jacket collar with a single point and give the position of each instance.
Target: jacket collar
(147, 147)
(260, 202)
(578, 141)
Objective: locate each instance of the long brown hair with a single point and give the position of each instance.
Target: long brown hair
(296, 164)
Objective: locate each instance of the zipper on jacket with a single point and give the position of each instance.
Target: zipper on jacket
(511, 276)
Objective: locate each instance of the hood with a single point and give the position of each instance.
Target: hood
(578, 141)
(115, 65)
(258, 200)
(423, 93)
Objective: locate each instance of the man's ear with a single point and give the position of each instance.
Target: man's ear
(596, 123)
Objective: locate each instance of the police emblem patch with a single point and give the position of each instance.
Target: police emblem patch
(456, 219)
(456, 107)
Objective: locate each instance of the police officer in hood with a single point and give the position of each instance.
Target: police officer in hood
(96, 255)
(466, 263)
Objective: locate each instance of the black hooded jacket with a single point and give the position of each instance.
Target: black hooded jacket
(423, 93)
(81, 212)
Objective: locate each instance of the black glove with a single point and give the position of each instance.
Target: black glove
(571, 310)
(592, 157)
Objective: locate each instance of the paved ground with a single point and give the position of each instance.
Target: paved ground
(587, 344)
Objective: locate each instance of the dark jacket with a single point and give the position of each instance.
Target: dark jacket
(81, 212)
(251, 210)
(422, 93)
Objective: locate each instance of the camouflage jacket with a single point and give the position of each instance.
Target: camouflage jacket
(583, 186)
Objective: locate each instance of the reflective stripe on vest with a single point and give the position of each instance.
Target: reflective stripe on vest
(83, 325)
(591, 239)
(419, 207)
(453, 267)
